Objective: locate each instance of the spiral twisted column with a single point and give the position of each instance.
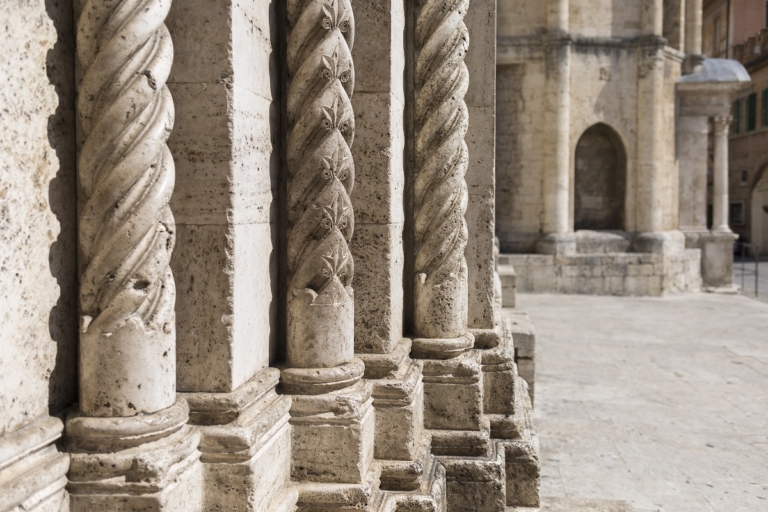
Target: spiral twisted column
(126, 229)
(321, 173)
(440, 190)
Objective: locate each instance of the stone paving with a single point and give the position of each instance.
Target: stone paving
(658, 403)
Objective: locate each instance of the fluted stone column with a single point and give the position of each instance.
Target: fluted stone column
(129, 436)
(321, 368)
(557, 225)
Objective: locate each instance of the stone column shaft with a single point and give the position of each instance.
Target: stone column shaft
(693, 24)
(720, 199)
(440, 193)
(650, 120)
(557, 168)
(127, 291)
(320, 177)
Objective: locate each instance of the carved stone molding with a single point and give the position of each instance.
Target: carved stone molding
(440, 190)
(126, 229)
(321, 174)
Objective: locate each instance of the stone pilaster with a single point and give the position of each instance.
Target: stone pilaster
(332, 407)
(226, 148)
(130, 444)
(693, 132)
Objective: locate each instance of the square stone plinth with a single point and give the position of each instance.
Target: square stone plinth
(453, 393)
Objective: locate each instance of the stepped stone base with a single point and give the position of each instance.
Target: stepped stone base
(32, 471)
(576, 505)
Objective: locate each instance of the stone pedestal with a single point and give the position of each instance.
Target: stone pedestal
(557, 244)
(32, 471)
(245, 445)
(717, 262)
(142, 463)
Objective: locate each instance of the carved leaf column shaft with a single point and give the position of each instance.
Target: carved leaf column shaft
(440, 190)
(321, 173)
(126, 230)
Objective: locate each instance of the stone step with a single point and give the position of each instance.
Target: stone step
(577, 505)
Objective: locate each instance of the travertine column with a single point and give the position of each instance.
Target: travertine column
(439, 189)
(650, 121)
(127, 291)
(322, 368)
(557, 156)
(720, 197)
(693, 21)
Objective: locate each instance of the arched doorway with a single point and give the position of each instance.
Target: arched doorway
(759, 217)
(600, 180)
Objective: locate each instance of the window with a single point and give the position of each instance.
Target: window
(764, 108)
(737, 213)
(737, 116)
(752, 112)
(744, 178)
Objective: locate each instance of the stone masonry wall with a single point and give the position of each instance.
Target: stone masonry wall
(38, 284)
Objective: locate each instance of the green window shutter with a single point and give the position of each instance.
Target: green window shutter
(764, 108)
(752, 112)
(737, 116)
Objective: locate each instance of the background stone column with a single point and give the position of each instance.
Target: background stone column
(651, 171)
(557, 157)
(127, 290)
(720, 203)
(694, 12)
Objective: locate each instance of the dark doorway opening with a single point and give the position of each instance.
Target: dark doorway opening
(600, 180)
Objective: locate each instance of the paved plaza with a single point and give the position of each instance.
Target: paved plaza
(652, 404)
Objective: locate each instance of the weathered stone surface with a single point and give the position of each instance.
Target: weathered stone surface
(38, 213)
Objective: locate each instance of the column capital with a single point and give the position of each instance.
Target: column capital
(722, 123)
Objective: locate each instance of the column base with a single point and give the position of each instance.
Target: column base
(245, 445)
(693, 236)
(429, 496)
(453, 393)
(32, 471)
(524, 340)
(659, 242)
(342, 423)
(476, 483)
(557, 244)
(441, 348)
(717, 261)
(318, 381)
(398, 398)
(139, 463)
(522, 463)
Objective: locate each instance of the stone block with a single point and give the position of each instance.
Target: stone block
(381, 53)
(481, 58)
(453, 393)
(342, 423)
(399, 405)
(378, 253)
(377, 197)
(480, 258)
(499, 378)
(717, 260)
(508, 278)
(476, 484)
